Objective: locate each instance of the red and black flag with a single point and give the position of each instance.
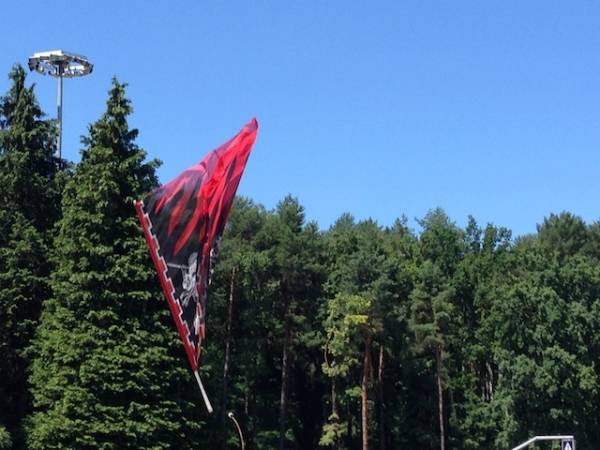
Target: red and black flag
(183, 221)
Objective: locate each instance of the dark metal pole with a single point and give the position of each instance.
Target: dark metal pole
(59, 112)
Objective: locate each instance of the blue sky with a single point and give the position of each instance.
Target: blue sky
(378, 108)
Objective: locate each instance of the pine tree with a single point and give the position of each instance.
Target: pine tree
(234, 321)
(108, 370)
(361, 285)
(431, 316)
(299, 277)
(432, 306)
(28, 167)
(28, 209)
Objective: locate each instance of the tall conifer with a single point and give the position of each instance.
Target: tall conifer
(109, 372)
(29, 199)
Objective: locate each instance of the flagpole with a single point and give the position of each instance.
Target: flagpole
(204, 396)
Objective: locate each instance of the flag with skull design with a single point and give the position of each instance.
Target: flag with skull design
(182, 222)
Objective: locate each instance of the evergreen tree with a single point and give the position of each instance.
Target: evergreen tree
(432, 307)
(28, 167)
(236, 324)
(349, 326)
(564, 234)
(297, 254)
(395, 360)
(545, 325)
(477, 404)
(263, 306)
(431, 317)
(29, 200)
(108, 372)
(363, 284)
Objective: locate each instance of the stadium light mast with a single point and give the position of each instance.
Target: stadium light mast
(60, 64)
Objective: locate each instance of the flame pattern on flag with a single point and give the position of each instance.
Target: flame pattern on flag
(183, 221)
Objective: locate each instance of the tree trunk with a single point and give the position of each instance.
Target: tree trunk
(334, 410)
(440, 392)
(246, 400)
(284, 384)
(489, 382)
(364, 398)
(382, 416)
(333, 399)
(228, 342)
(249, 410)
(350, 426)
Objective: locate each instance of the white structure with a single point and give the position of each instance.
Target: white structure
(60, 64)
(567, 442)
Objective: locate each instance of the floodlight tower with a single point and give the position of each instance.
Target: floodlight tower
(60, 64)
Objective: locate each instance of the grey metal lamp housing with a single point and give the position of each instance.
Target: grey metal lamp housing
(58, 63)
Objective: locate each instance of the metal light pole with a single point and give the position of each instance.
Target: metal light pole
(239, 429)
(60, 64)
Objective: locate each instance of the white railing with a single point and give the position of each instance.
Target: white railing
(569, 439)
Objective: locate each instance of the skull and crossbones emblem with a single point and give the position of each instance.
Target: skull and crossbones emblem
(189, 280)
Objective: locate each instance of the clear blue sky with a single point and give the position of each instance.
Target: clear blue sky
(381, 108)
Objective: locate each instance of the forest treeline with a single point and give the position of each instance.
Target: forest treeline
(361, 336)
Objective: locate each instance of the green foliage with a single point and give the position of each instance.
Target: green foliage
(333, 431)
(564, 234)
(27, 166)
(328, 333)
(28, 209)
(5, 439)
(347, 317)
(108, 371)
(431, 308)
